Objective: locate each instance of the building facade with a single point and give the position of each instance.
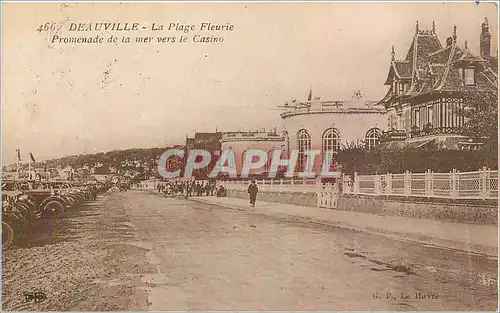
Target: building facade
(427, 88)
(240, 141)
(327, 126)
(204, 141)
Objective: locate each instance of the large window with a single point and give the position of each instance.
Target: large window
(331, 143)
(303, 144)
(419, 87)
(469, 76)
(372, 137)
(416, 118)
(430, 114)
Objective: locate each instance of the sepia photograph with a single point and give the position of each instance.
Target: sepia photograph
(247, 156)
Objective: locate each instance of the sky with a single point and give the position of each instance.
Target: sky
(66, 99)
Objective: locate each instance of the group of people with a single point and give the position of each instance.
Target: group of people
(200, 188)
(191, 188)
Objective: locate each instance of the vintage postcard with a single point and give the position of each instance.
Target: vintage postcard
(240, 156)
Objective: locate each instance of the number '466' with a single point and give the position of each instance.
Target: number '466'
(46, 27)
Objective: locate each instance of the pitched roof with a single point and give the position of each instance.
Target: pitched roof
(424, 43)
(403, 68)
(434, 67)
(440, 56)
(493, 63)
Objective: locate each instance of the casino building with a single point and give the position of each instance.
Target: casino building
(327, 126)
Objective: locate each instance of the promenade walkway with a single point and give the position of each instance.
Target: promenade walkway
(482, 239)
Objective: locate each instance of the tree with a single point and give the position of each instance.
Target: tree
(481, 123)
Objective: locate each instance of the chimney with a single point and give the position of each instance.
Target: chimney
(485, 40)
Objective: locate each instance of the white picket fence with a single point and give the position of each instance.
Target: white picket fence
(277, 185)
(482, 184)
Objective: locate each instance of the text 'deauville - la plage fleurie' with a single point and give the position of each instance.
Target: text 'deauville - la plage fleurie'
(177, 27)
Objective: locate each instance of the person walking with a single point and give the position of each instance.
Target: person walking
(207, 189)
(198, 189)
(252, 191)
(213, 188)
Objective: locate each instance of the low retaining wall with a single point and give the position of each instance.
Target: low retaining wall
(297, 198)
(462, 211)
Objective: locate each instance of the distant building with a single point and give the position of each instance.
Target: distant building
(205, 141)
(67, 173)
(241, 141)
(173, 163)
(427, 87)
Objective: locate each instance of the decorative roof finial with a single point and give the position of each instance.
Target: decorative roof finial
(466, 45)
(454, 33)
(393, 53)
(416, 28)
(484, 26)
(433, 27)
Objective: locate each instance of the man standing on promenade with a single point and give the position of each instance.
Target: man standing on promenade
(252, 191)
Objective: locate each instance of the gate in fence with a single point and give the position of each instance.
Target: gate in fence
(328, 195)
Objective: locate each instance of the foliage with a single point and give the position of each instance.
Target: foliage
(381, 160)
(481, 115)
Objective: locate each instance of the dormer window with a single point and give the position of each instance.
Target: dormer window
(419, 87)
(469, 76)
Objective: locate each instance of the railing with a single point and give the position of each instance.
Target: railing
(482, 184)
(393, 134)
(427, 131)
(277, 185)
(398, 134)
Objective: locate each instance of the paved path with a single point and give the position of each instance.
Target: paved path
(141, 251)
(468, 237)
(213, 258)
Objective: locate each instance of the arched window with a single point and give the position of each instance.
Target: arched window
(372, 137)
(331, 140)
(303, 144)
(331, 143)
